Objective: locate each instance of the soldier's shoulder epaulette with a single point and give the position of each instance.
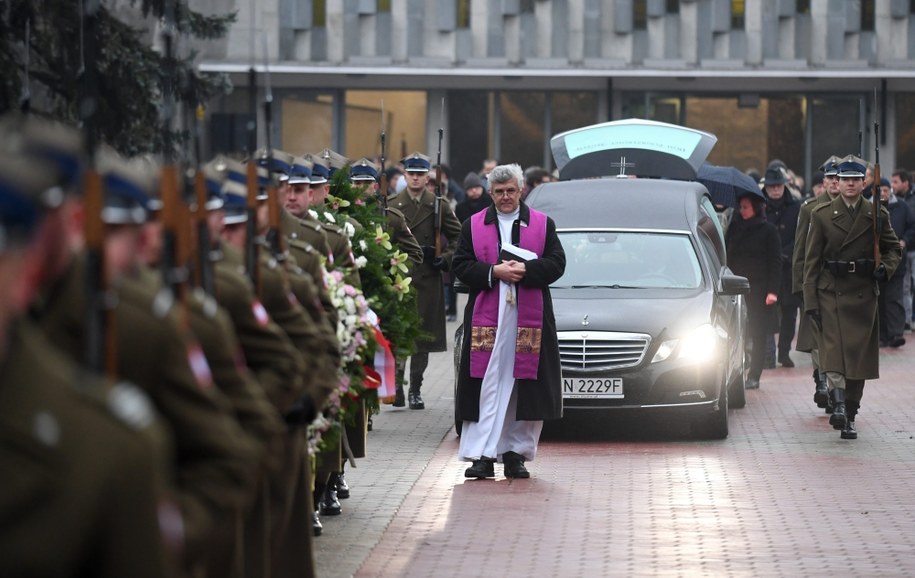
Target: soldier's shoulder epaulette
(233, 277)
(819, 207)
(809, 201)
(332, 228)
(302, 245)
(396, 212)
(208, 304)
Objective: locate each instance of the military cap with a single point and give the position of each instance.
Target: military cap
(851, 166)
(127, 189)
(148, 168)
(56, 143)
(830, 166)
(22, 188)
(320, 172)
(416, 163)
(334, 161)
(301, 171)
(282, 162)
(235, 202)
(775, 176)
(237, 172)
(213, 178)
(363, 170)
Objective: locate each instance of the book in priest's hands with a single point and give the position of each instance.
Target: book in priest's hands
(512, 253)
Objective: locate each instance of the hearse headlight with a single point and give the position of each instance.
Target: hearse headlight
(699, 346)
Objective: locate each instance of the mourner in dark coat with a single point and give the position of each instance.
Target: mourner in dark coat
(782, 211)
(509, 379)
(891, 307)
(754, 252)
(840, 290)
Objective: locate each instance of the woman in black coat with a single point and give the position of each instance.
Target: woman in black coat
(754, 251)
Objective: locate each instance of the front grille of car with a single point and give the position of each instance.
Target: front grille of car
(601, 350)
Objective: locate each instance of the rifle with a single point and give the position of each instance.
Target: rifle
(275, 239)
(100, 340)
(878, 203)
(251, 245)
(383, 187)
(204, 270)
(25, 101)
(173, 218)
(437, 207)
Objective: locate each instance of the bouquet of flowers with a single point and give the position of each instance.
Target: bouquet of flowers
(355, 332)
(384, 270)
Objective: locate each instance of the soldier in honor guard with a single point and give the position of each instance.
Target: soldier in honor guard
(429, 217)
(297, 200)
(324, 165)
(293, 518)
(215, 462)
(273, 358)
(806, 336)
(840, 289)
(88, 495)
(364, 174)
(212, 327)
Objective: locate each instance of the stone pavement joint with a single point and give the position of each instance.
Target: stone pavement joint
(783, 495)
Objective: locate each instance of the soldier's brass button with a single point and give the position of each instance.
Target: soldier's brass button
(46, 428)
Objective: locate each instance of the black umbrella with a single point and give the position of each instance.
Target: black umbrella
(725, 184)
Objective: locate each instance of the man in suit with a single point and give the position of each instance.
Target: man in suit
(427, 216)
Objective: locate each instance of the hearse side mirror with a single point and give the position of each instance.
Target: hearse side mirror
(734, 285)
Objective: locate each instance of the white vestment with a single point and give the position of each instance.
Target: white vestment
(498, 431)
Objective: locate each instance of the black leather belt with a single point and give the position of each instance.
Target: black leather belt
(862, 267)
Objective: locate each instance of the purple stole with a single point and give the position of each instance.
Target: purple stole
(486, 307)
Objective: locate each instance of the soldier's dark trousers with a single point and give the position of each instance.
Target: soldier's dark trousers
(891, 308)
(854, 391)
(788, 306)
(418, 365)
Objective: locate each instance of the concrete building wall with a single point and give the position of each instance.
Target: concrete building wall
(571, 32)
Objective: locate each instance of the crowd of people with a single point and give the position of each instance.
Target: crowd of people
(184, 377)
(819, 253)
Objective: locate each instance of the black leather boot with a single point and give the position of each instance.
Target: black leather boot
(415, 399)
(398, 396)
(838, 418)
(821, 394)
(340, 485)
(316, 526)
(849, 432)
(330, 505)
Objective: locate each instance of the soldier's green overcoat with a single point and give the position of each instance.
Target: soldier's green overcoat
(806, 336)
(83, 470)
(430, 293)
(847, 304)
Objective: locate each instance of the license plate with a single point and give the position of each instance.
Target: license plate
(584, 388)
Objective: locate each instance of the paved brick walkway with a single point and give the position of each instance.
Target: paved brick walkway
(782, 496)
